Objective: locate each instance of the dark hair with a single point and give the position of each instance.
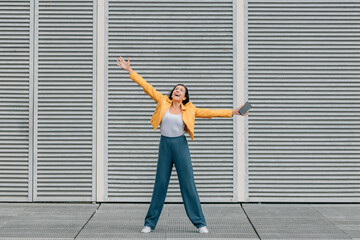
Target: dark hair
(186, 93)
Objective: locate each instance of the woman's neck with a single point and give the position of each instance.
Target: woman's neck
(176, 105)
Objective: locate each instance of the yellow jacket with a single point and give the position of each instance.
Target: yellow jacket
(189, 111)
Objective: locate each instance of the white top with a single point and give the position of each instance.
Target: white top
(172, 125)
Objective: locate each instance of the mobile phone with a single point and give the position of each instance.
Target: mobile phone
(245, 108)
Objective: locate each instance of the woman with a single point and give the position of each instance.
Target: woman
(175, 114)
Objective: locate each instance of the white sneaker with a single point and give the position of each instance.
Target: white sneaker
(146, 229)
(203, 230)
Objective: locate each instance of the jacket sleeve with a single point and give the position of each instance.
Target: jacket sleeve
(210, 113)
(147, 87)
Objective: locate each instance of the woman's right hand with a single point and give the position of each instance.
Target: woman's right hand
(123, 64)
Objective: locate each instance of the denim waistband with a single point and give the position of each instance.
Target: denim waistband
(165, 137)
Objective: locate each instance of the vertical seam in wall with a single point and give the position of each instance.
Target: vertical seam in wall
(105, 123)
(100, 100)
(235, 95)
(35, 93)
(240, 120)
(31, 101)
(94, 104)
(246, 97)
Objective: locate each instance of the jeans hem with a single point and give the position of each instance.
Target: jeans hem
(202, 225)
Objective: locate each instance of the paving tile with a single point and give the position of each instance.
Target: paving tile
(302, 236)
(271, 211)
(126, 220)
(292, 222)
(46, 221)
(339, 211)
(37, 233)
(126, 235)
(345, 216)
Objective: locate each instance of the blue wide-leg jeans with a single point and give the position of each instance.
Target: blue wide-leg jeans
(175, 150)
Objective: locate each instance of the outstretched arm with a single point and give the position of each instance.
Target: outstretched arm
(147, 87)
(209, 113)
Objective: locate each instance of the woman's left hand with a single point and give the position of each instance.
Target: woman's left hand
(236, 111)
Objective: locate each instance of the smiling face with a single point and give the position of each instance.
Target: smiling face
(178, 94)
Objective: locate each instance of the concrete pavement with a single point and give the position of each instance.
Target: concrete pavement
(225, 221)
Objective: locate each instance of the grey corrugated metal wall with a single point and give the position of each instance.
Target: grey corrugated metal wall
(47, 82)
(169, 42)
(65, 101)
(303, 80)
(15, 101)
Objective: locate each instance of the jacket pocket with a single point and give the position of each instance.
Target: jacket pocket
(156, 115)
